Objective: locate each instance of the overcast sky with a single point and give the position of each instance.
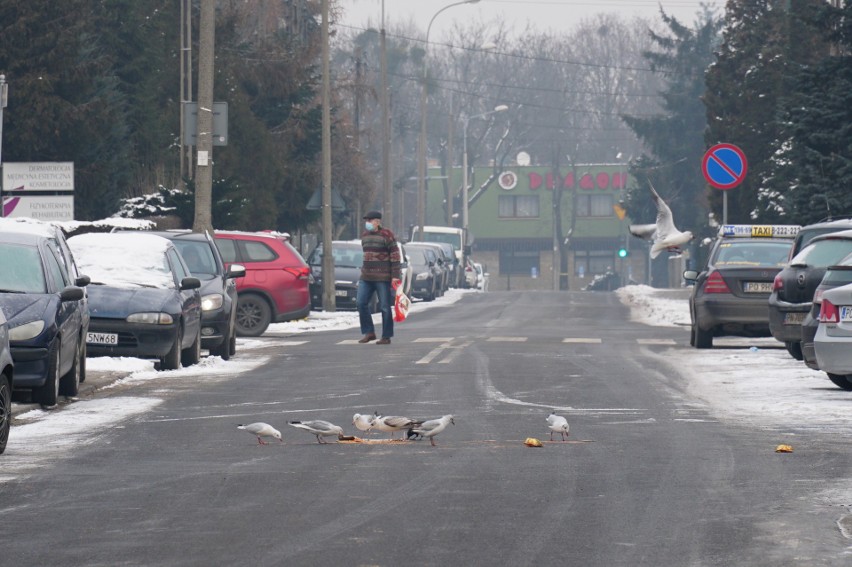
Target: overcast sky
(548, 14)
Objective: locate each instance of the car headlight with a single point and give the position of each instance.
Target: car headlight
(151, 318)
(422, 276)
(26, 331)
(211, 302)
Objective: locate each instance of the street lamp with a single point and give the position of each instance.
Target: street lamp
(500, 108)
(421, 147)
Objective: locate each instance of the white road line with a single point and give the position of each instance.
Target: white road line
(507, 339)
(433, 340)
(433, 354)
(291, 343)
(656, 341)
(455, 352)
(582, 341)
(349, 342)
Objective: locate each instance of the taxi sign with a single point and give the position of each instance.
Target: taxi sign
(759, 230)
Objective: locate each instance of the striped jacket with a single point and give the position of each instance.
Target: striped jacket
(381, 256)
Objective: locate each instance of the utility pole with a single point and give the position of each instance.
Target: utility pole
(329, 301)
(203, 221)
(185, 85)
(387, 191)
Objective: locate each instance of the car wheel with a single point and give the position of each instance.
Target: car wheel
(703, 339)
(172, 359)
(69, 385)
(253, 315)
(192, 355)
(795, 349)
(5, 411)
(48, 394)
(840, 381)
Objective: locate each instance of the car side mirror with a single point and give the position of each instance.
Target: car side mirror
(690, 275)
(71, 293)
(82, 281)
(190, 283)
(236, 271)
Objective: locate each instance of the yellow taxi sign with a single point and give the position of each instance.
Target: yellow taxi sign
(759, 230)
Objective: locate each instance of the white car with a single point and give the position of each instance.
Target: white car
(833, 341)
(481, 277)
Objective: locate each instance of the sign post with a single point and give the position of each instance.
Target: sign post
(724, 167)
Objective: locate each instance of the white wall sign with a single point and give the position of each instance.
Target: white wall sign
(507, 180)
(38, 176)
(53, 208)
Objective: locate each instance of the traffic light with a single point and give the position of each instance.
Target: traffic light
(623, 252)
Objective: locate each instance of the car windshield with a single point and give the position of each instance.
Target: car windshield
(451, 238)
(823, 253)
(198, 257)
(753, 253)
(22, 271)
(345, 256)
(417, 257)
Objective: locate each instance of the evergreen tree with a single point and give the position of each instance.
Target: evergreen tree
(765, 43)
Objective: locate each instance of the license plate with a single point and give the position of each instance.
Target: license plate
(102, 338)
(794, 318)
(757, 287)
(341, 293)
(845, 313)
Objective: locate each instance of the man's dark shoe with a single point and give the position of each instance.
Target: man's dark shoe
(383, 341)
(367, 338)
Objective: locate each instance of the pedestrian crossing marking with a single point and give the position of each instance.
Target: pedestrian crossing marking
(349, 342)
(507, 339)
(582, 341)
(433, 340)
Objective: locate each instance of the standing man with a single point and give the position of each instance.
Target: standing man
(380, 274)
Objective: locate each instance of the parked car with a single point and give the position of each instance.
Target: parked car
(835, 276)
(794, 286)
(470, 275)
(730, 294)
(46, 317)
(439, 268)
(811, 231)
(456, 277)
(443, 262)
(481, 276)
(7, 376)
(348, 258)
(275, 287)
(404, 269)
(218, 289)
(143, 300)
(426, 275)
(833, 340)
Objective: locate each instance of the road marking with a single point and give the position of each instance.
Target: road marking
(507, 339)
(349, 342)
(291, 343)
(455, 352)
(582, 341)
(433, 354)
(433, 340)
(656, 341)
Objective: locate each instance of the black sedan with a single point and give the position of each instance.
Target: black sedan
(218, 289)
(730, 294)
(45, 311)
(425, 274)
(348, 259)
(794, 286)
(142, 300)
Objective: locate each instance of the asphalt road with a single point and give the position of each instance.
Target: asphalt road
(650, 477)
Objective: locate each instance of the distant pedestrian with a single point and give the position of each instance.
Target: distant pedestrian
(380, 274)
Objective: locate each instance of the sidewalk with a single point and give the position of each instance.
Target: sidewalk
(94, 381)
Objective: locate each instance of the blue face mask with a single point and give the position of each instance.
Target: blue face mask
(369, 226)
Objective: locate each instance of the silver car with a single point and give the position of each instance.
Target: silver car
(833, 341)
(6, 373)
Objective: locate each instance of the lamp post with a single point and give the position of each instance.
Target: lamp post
(421, 147)
(4, 98)
(500, 108)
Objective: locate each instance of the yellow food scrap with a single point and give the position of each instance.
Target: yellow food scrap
(533, 442)
(783, 449)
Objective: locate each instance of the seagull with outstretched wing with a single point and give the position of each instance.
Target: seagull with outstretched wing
(664, 234)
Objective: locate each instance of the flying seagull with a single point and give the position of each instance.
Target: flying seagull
(663, 234)
(363, 422)
(320, 428)
(558, 424)
(261, 430)
(431, 428)
(394, 423)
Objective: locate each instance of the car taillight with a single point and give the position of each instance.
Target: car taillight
(778, 283)
(715, 284)
(301, 273)
(818, 296)
(827, 312)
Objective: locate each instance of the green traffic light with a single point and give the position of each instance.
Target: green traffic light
(622, 252)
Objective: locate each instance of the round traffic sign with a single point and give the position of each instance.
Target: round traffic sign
(724, 166)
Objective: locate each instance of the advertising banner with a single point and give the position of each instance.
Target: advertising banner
(38, 176)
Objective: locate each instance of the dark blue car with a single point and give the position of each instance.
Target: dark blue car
(46, 314)
(143, 301)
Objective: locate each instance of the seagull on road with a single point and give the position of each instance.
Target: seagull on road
(363, 422)
(261, 430)
(557, 424)
(320, 428)
(394, 423)
(431, 428)
(663, 234)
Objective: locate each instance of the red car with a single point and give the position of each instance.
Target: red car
(275, 287)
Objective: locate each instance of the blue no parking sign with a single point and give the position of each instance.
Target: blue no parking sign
(724, 166)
